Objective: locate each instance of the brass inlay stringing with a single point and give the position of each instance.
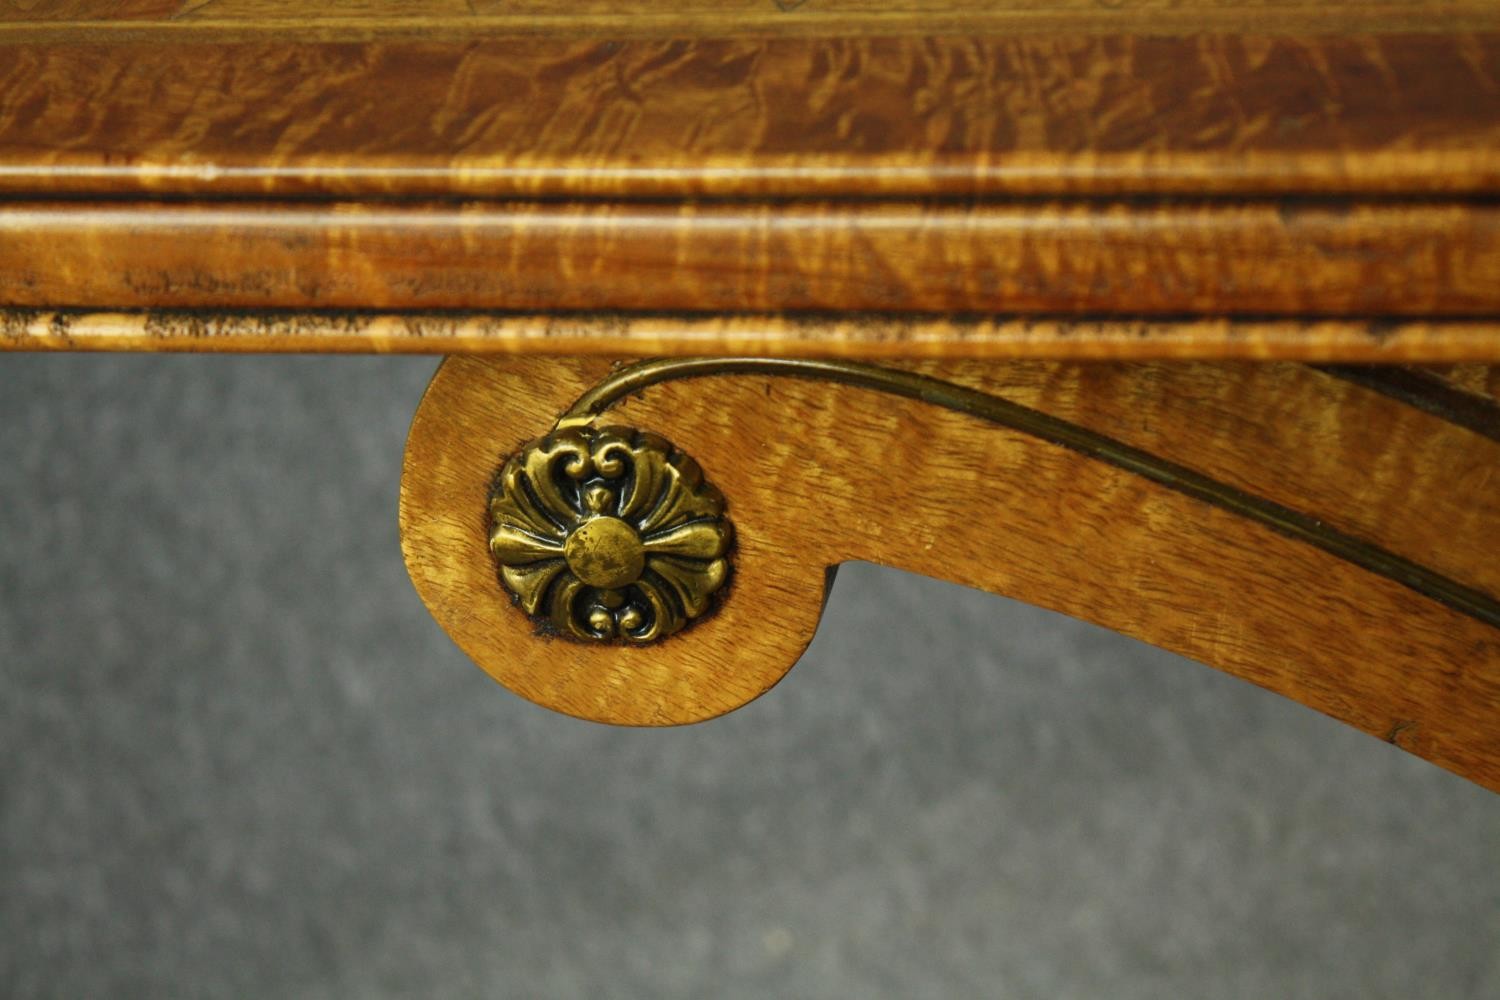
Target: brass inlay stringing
(994, 409)
(613, 535)
(608, 534)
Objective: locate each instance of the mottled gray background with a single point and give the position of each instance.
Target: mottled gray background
(238, 759)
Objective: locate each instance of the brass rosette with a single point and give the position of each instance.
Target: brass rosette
(608, 534)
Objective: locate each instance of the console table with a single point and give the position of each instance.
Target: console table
(1183, 319)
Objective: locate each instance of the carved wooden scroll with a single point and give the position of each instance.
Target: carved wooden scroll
(1304, 530)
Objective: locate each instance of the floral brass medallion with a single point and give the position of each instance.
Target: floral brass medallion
(608, 534)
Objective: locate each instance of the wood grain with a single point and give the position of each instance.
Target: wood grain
(1320, 259)
(1429, 391)
(850, 336)
(968, 115)
(644, 18)
(873, 477)
(87, 10)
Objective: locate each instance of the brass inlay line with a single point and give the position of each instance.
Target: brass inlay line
(1425, 392)
(1284, 520)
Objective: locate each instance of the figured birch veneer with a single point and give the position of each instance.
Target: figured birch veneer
(827, 335)
(916, 114)
(1342, 169)
(1255, 258)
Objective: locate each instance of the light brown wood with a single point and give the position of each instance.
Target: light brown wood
(857, 158)
(817, 474)
(1383, 341)
(1328, 259)
(976, 114)
(642, 18)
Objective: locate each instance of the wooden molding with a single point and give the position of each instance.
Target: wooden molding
(458, 19)
(1412, 259)
(1462, 347)
(981, 112)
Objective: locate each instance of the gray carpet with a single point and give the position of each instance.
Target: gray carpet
(237, 759)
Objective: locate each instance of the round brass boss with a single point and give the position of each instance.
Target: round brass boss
(609, 535)
(605, 552)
